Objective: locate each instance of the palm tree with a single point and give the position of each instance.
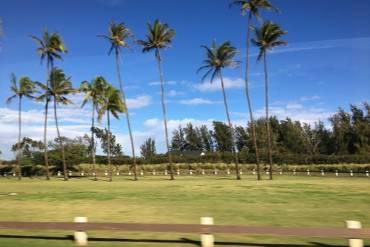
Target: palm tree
(51, 47)
(93, 92)
(217, 58)
(253, 8)
(59, 88)
(111, 103)
(23, 88)
(160, 36)
(117, 37)
(268, 37)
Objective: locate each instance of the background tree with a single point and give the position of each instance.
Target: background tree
(117, 37)
(193, 137)
(147, 149)
(92, 93)
(219, 57)
(207, 141)
(111, 104)
(178, 142)
(160, 36)
(59, 88)
(51, 47)
(252, 7)
(266, 38)
(24, 88)
(115, 147)
(222, 135)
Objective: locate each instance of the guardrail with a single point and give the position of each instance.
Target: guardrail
(353, 231)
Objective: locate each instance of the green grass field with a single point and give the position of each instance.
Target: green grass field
(285, 201)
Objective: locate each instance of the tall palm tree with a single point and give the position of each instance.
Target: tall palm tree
(51, 47)
(93, 92)
(117, 37)
(59, 88)
(268, 37)
(24, 88)
(219, 57)
(160, 36)
(111, 103)
(253, 8)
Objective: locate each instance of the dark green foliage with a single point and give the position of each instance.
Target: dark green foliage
(222, 135)
(147, 149)
(102, 135)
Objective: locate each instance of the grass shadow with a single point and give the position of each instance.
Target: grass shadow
(168, 241)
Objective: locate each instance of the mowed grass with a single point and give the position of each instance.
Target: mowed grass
(285, 201)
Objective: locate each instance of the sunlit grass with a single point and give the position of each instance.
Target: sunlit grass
(285, 201)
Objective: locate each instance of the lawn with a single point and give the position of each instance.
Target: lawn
(285, 201)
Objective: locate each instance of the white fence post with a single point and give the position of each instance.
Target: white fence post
(80, 236)
(207, 240)
(353, 224)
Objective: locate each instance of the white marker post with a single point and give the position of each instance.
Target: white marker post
(142, 173)
(203, 172)
(80, 236)
(322, 173)
(353, 224)
(207, 239)
(351, 173)
(336, 173)
(165, 172)
(228, 171)
(308, 172)
(367, 173)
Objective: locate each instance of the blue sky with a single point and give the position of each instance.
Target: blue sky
(326, 64)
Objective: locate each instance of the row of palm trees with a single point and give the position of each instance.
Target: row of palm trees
(106, 99)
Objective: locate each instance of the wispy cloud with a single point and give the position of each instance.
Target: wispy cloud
(139, 101)
(198, 101)
(229, 83)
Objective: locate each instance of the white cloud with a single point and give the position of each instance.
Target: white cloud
(174, 93)
(229, 83)
(138, 102)
(198, 101)
(310, 98)
(293, 106)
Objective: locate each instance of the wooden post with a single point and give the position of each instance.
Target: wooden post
(80, 236)
(353, 224)
(207, 239)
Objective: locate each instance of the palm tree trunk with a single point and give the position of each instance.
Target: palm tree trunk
(108, 149)
(127, 115)
(247, 93)
(19, 171)
(60, 142)
(93, 141)
(267, 117)
(158, 56)
(46, 141)
(236, 159)
(46, 160)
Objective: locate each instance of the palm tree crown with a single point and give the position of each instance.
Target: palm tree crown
(218, 57)
(51, 46)
(267, 37)
(118, 34)
(24, 88)
(60, 86)
(111, 102)
(93, 91)
(159, 36)
(254, 6)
